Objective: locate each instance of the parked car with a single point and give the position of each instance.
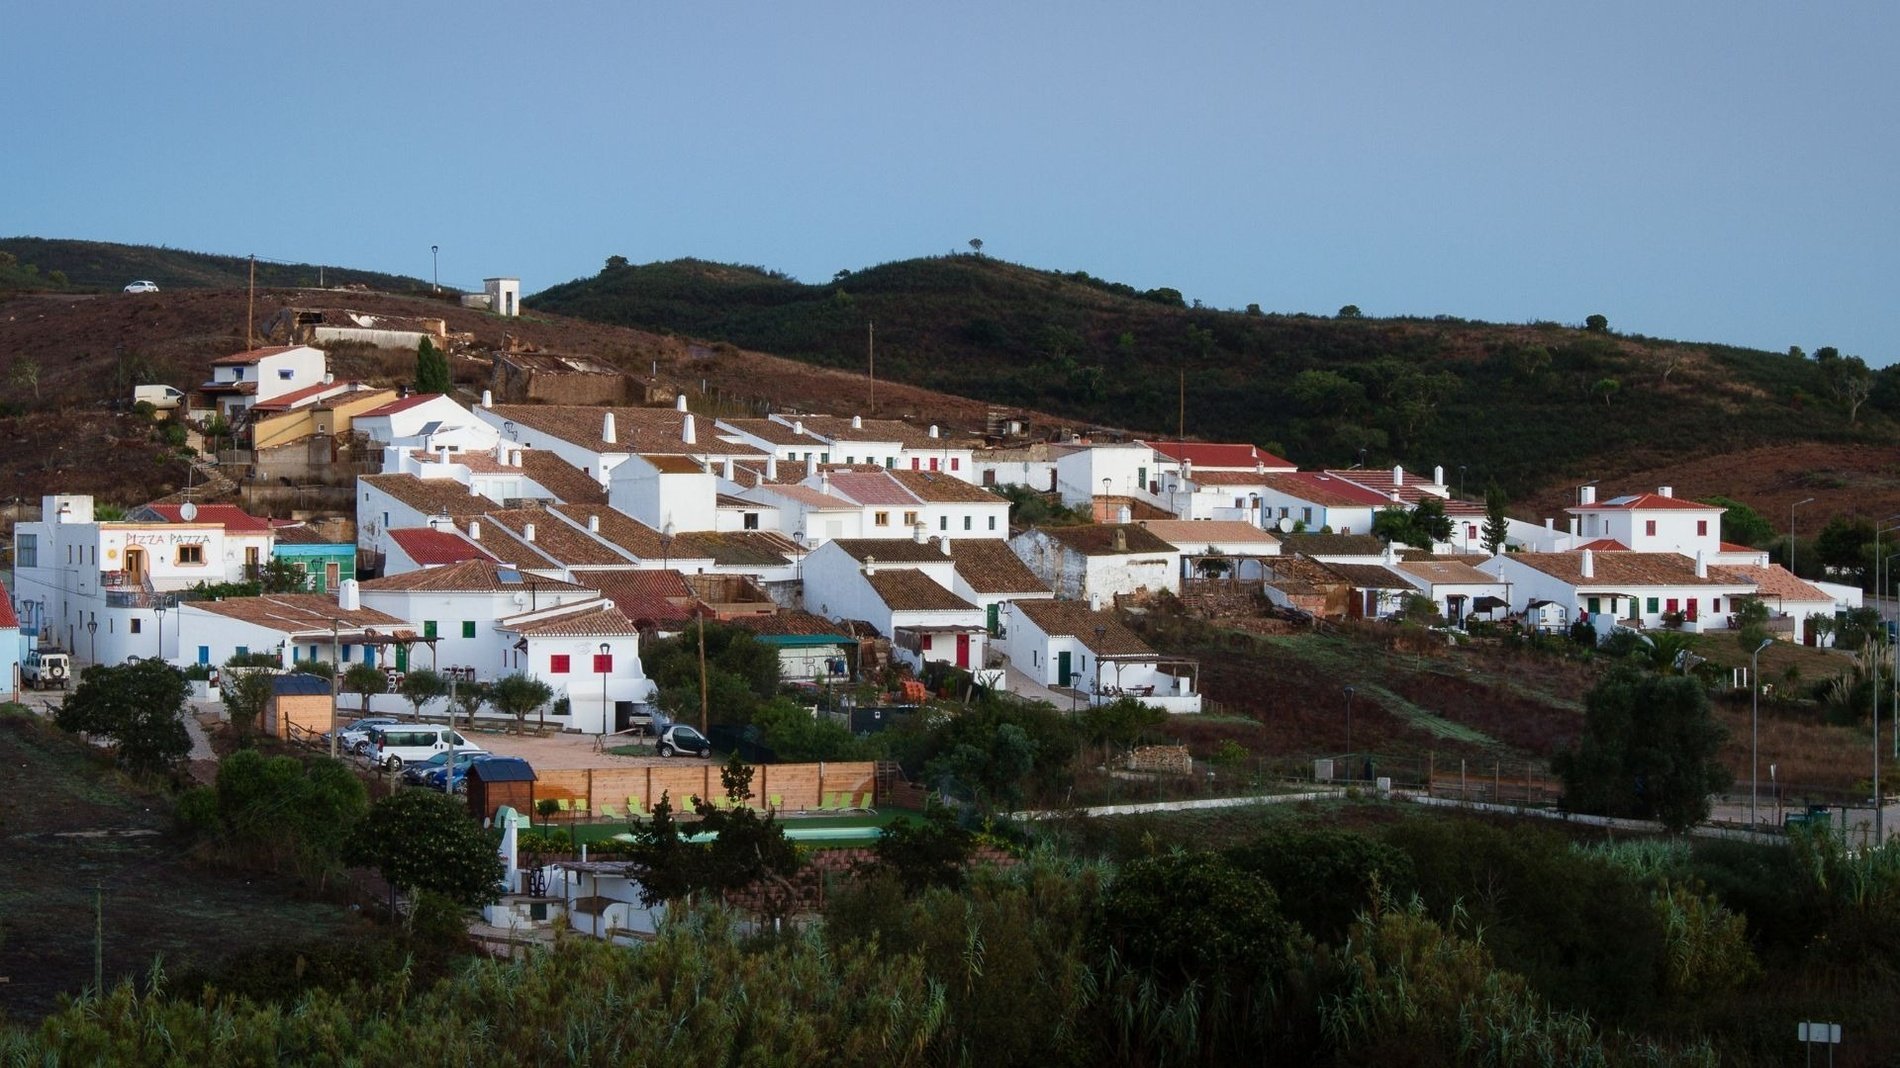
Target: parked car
(142, 286)
(356, 735)
(161, 398)
(46, 667)
(433, 780)
(419, 772)
(679, 738)
(396, 745)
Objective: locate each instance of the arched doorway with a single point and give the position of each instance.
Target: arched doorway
(135, 567)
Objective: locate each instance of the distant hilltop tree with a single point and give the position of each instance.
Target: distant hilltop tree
(976, 245)
(1597, 324)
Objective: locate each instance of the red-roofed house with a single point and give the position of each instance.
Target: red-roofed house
(414, 548)
(1213, 456)
(1659, 522)
(1315, 500)
(239, 381)
(12, 647)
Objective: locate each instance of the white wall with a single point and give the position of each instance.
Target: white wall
(1130, 469)
(688, 501)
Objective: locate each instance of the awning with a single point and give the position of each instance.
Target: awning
(1489, 604)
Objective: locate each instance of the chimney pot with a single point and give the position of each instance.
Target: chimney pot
(771, 468)
(527, 532)
(1587, 495)
(1120, 540)
(349, 596)
(689, 433)
(1398, 475)
(1588, 567)
(933, 431)
(1701, 564)
(474, 531)
(857, 422)
(593, 524)
(944, 544)
(488, 398)
(679, 403)
(917, 533)
(1438, 475)
(798, 426)
(607, 429)
(1665, 491)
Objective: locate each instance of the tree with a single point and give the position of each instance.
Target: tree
(1843, 543)
(422, 686)
(1606, 387)
(365, 678)
(245, 693)
(615, 263)
(976, 246)
(1119, 724)
(1742, 524)
(25, 374)
(1751, 623)
(1597, 324)
(140, 706)
(469, 697)
(423, 841)
(932, 850)
(1327, 393)
(1648, 751)
(1350, 311)
(517, 695)
(1497, 525)
(432, 369)
(747, 847)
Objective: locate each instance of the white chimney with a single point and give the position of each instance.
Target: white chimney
(679, 403)
(488, 398)
(944, 544)
(607, 429)
(1701, 564)
(771, 468)
(1259, 467)
(1124, 514)
(798, 427)
(824, 482)
(1573, 526)
(811, 465)
(527, 532)
(474, 531)
(1587, 495)
(329, 379)
(870, 565)
(933, 431)
(1398, 475)
(727, 465)
(688, 432)
(1438, 475)
(349, 597)
(514, 457)
(857, 422)
(917, 533)
(1588, 567)
(1391, 554)
(1665, 491)
(1550, 524)
(593, 524)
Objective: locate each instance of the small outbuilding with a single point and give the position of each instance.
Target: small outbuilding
(498, 782)
(300, 705)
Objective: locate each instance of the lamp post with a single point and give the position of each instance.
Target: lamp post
(798, 556)
(1101, 639)
(435, 272)
(336, 681)
(92, 632)
(158, 609)
(1791, 508)
(1754, 729)
(606, 661)
(1461, 482)
(1349, 693)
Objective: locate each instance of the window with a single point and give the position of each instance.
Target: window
(1240, 502)
(880, 519)
(191, 554)
(1471, 532)
(824, 457)
(557, 664)
(966, 522)
(27, 552)
(603, 663)
(1649, 527)
(286, 374)
(242, 650)
(1306, 516)
(954, 462)
(752, 520)
(1702, 528)
(992, 522)
(348, 651)
(943, 522)
(850, 459)
(428, 628)
(204, 654)
(468, 628)
(890, 462)
(137, 627)
(910, 519)
(1654, 605)
(1715, 604)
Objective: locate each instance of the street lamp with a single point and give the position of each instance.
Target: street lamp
(435, 272)
(1101, 639)
(1791, 508)
(1754, 729)
(606, 661)
(798, 556)
(92, 632)
(666, 545)
(159, 610)
(1349, 693)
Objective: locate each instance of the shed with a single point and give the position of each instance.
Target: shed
(300, 706)
(499, 782)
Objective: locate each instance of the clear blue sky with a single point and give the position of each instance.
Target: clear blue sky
(1721, 172)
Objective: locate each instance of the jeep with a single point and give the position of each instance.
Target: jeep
(45, 667)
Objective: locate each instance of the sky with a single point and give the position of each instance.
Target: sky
(1711, 172)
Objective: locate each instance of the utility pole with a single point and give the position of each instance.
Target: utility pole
(702, 671)
(1180, 432)
(870, 351)
(98, 940)
(250, 310)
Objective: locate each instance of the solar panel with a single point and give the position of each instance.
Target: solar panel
(508, 575)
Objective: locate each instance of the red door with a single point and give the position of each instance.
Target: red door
(963, 650)
(1691, 613)
(1669, 605)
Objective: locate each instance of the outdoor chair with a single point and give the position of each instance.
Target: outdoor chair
(634, 808)
(607, 811)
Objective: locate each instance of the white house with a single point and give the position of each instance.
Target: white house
(1107, 470)
(1459, 589)
(101, 589)
(295, 626)
(599, 439)
(457, 606)
(903, 588)
(1064, 643)
(896, 504)
(1631, 588)
(1033, 465)
(887, 443)
(239, 381)
(1308, 500)
(1237, 543)
(427, 422)
(665, 492)
(813, 515)
(1790, 600)
(1650, 522)
(989, 573)
(1097, 562)
(589, 653)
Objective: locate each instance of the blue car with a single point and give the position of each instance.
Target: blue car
(434, 777)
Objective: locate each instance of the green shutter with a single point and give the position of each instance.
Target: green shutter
(468, 628)
(428, 628)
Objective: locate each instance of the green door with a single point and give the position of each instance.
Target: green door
(1594, 606)
(995, 618)
(402, 658)
(1062, 668)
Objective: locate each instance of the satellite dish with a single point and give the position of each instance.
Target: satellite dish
(187, 511)
(1285, 524)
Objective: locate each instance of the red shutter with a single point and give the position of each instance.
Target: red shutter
(557, 664)
(603, 664)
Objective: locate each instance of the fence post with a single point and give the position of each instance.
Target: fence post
(1464, 789)
(1431, 770)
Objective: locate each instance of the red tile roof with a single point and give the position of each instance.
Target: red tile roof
(1605, 545)
(1731, 547)
(245, 359)
(874, 489)
(1645, 502)
(906, 589)
(1625, 569)
(286, 401)
(989, 565)
(1326, 490)
(429, 547)
(603, 622)
(469, 576)
(1772, 582)
(940, 488)
(7, 618)
(658, 595)
(1076, 620)
(229, 516)
(1218, 455)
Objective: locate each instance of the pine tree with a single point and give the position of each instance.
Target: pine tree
(1496, 526)
(432, 369)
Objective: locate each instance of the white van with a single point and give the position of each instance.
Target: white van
(398, 744)
(161, 398)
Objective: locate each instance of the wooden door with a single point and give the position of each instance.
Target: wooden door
(963, 650)
(1062, 668)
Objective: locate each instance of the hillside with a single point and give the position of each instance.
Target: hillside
(1532, 405)
(102, 265)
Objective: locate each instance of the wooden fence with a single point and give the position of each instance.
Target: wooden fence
(615, 793)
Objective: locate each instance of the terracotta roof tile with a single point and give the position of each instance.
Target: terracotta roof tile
(554, 537)
(1324, 489)
(940, 488)
(1771, 582)
(296, 613)
(603, 622)
(1647, 502)
(893, 550)
(636, 430)
(1622, 569)
(1447, 572)
(229, 516)
(245, 359)
(470, 576)
(906, 589)
(1370, 576)
(1213, 455)
(429, 547)
(644, 593)
(430, 496)
(568, 483)
(773, 431)
(737, 548)
(1332, 544)
(872, 488)
(989, 565)
(1195, 535)
(403, 405)
(793, 622)
(1098, 539)
(1076, 620)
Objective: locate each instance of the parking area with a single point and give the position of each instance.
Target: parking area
(564, 752)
